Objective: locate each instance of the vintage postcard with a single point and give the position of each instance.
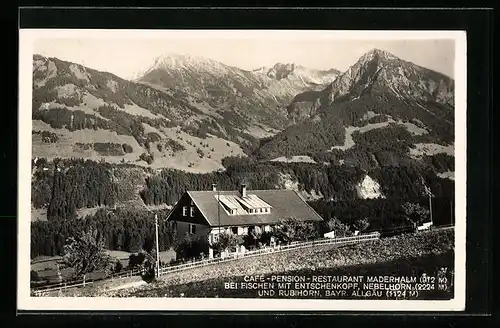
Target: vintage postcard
(250, 170)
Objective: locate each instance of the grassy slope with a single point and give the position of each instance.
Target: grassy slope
(217, 148)
(421, 253)
(46, 267)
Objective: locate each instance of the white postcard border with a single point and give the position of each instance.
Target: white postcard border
(26, 302)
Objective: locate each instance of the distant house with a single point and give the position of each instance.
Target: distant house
(208, 213)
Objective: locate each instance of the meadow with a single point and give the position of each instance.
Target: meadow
(46, 266)
(412, 254)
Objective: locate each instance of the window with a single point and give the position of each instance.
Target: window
(250, 210)
(192, 228)
(192, 212)
(234, 230)
(184, 211)
(260, 210)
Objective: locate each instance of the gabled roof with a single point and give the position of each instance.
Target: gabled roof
(284, 204)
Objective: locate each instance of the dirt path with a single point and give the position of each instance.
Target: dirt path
(128, 285)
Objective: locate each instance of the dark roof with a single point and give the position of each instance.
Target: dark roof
(285, 204)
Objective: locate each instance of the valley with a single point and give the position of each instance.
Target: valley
(354, 144)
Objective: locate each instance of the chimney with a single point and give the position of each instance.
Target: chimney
(243, 190)
(214, 187)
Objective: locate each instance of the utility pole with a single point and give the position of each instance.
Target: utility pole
(218, 208)
(157, 247)
(430, 208)
(429, 194)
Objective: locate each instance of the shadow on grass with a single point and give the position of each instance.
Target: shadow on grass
(428, 265)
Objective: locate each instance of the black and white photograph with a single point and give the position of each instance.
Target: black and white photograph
(242, 170)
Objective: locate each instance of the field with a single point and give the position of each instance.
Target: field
(213, 148)
(46, 267)
(349, 142)
(407, 254)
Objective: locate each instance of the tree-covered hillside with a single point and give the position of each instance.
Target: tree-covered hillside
(328, 129)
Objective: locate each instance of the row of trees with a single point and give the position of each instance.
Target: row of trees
(61, 117)
(84, 243)
(132, 230)
(83, 184)
(67, 185)
(86, 252)
(386, 214)
(47, 136)
(286, 231)
(125, 230)
(333, 182)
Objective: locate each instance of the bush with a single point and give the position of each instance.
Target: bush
(34, 276)
(191, 247)
(340, 229)
(47, 137)
(265, 238)
(127, 148)
(148, 158)
(174, 145)
(153, 137)
(295, 230)
(108, 149)
(362, 224)
(118, 266)
(225, 241)
(235, 161)
(136, 260)
(202, 131)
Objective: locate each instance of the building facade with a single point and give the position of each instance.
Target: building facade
(209, 213)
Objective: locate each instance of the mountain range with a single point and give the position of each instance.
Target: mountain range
(379, 93)
(355, 144)
(189, 112)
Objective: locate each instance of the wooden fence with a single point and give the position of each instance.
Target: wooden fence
(268, 250)
(39, 291)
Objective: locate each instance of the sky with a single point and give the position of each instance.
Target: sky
(126, 55)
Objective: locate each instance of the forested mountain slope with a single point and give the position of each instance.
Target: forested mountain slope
(381, 111)
(104, 147)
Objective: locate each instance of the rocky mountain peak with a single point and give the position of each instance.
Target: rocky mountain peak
(280, 71)
(378, 54)
(175, 61)
(380, 70)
